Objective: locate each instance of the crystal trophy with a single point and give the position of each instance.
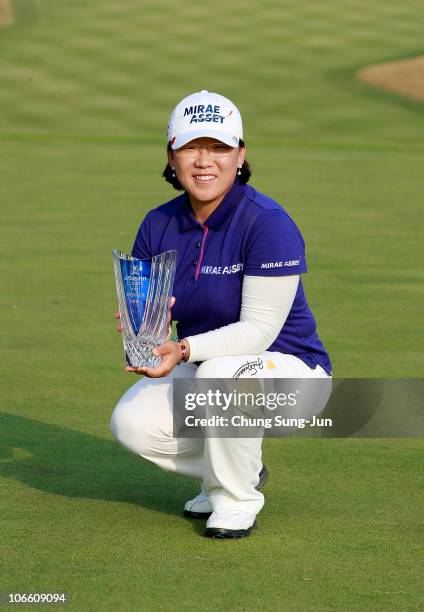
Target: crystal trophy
(144, 288)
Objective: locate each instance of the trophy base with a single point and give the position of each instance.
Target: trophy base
(138, 354)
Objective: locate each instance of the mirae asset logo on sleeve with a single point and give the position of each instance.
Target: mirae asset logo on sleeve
(281, 264)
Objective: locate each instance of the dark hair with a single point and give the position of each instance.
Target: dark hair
(242, 178)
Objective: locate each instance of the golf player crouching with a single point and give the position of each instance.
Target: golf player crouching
(238, 298)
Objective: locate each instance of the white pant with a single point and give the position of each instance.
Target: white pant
(227, 467)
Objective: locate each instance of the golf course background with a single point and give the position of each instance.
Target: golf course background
(86, 91)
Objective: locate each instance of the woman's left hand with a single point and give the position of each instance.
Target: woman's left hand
(170, 354)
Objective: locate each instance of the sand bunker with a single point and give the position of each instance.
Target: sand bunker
(7, 14)
(405, 77)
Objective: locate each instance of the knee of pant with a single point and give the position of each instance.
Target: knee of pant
(127, 426)
(217, 367)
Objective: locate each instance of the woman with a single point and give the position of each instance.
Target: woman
(238, 299)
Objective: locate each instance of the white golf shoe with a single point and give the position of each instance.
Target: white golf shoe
(230, 524)
(200, 507)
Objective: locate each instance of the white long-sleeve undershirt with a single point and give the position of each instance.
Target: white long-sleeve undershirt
(265, 304)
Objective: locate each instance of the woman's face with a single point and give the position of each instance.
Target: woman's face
(206, 168)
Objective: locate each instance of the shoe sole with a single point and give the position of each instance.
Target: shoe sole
(263, 478)
(197, 515)
(219, 533)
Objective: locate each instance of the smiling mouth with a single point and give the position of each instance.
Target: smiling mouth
(204, 178)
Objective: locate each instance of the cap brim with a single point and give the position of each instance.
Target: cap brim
(182, 139)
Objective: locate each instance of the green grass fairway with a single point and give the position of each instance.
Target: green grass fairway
(86, 90)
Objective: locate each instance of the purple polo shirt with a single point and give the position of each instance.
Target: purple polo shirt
(249, 233)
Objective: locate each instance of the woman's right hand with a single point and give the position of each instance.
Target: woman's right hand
(118, 327)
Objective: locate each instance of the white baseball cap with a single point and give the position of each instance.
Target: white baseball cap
(205, 113)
